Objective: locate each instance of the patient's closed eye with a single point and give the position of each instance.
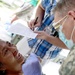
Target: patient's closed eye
(5, 51)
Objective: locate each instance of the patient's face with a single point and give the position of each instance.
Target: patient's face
(9, 56)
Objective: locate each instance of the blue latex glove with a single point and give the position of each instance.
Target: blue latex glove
(32, 66)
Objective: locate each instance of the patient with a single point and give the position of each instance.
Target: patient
(12, 62)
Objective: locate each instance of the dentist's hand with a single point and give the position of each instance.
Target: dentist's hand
(41, 35)
(32, 24)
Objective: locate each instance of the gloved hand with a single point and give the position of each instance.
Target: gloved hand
(32, 66)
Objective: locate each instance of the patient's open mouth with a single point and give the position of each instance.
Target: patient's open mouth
(17, 55)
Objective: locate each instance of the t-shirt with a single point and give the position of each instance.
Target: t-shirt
(32, 66)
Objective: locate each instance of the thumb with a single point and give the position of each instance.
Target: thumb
(36, 31)
(37, 25)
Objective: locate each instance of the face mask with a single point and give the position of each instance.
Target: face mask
(69, 43)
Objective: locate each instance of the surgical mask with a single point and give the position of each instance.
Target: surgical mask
(69, 43)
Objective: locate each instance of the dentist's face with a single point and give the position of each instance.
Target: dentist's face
(68, 25)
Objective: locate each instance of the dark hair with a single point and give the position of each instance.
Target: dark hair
(63, 6)
(2, 72)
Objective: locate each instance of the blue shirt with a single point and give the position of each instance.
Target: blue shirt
(42, 46)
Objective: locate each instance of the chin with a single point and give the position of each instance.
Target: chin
(18, 69)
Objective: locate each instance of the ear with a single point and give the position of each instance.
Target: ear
(72, 14)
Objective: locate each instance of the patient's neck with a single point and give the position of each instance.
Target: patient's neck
(10, 73)
(16, 74)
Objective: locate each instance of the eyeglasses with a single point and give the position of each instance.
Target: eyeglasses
(57, 24)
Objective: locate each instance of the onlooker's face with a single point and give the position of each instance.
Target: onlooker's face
(9, 56)
(67, 24)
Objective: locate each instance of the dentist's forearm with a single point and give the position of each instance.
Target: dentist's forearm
(56, 41)
(39, 12)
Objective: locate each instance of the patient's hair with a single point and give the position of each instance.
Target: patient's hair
(63, 6)
(1, 71)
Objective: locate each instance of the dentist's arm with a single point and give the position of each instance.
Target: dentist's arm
(39, 12)
(51, 39)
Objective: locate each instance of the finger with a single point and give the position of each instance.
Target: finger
(38, 36)
(36, 25)
(30, 26)
(37, 31)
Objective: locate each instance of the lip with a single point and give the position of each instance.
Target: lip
(18, 56)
